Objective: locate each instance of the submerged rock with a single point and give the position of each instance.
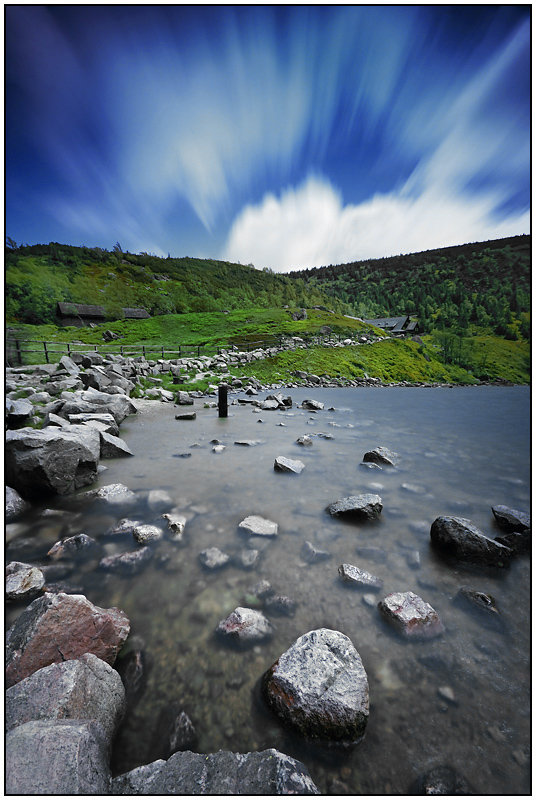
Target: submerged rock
(510, 520)
(311, 554)
(479, 599)
(72, 546)
(213, 558)
(281, 605)
(458, 537)
(320, 688)
(442, 780)
(282, 464)
(258, 526)
(176, 525)
(147, 533)
(382, 455)
(127, 563)
(260, 773)
(174, 732)
(359, 578)
(363, 506)
(411, 615)
(245, 626)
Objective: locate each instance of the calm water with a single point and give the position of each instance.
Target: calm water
(462, 451)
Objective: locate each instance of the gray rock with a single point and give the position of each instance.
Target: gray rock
(176, 525)
(282, 464)
(320, 688)
(23, 581)
(122, 528)
(411, 615)
(107, 421)
(69, 365)
(359, 578)
(268, 772)
(119, 405)
(188, 415)
(58, 627)
(184, 399)
(174, 732)
(213, 558)
(479, 599)
(459, 538)
(147, 533)
(363, 506)
(247, 442)
(52, 460)
(313, 405)
(83, 688)
(18, 412)
(245, 626)
(72, 546)
(381, 455)
(68, 757)
(258, 526)
(311, 554)
(510, 520)
(127, 563)
(15, 505)
(113, 494)
(247, 559)
(280, 605)
(305, 441)
(443, 780)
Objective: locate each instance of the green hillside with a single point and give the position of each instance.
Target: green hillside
(39, 276)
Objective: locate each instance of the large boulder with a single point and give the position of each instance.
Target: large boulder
(52, 460)
(268, 772)
(18, 412)
(119, 405)
(319, 687)
(57, 757)
(362, 506)
(59, 627)
(461, 539)
(23, 581)
(83, 688)
(411, 615)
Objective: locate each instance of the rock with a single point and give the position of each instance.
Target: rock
(18, 412)
(188, 415)
(313, 405)
(245, 626)
(258, 526)
(305, 441)
(381, 455)
(519, 541)
(23, 581)
(52, 460)
(441, 780)
(122, 528)
(103, 422)
(262, 590)
(298, 315)
(119, 405)
(67, 363)
(320, 688)
(72, 546)
(358, 578)
(82, 688)
(133, 668)
(376, 554)
(479, 599)
(311, 554)
(15, 505)
(113, 493)
(147, 533)
(247, 442)
(184, 399)
(218, 448)
(59, 627)
(127, 563)
(281, 605)
(363, 506)
(282, 464)
(176, 524)
(411, 616)
(247, 559)
(447, 693)
(459, 538)
(68, 757)
(510, 520)
(174, 731)
(268, 772)
(213, 558)
(113, 446)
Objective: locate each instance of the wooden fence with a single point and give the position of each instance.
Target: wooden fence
(23, 352)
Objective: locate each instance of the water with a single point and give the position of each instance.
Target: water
(462, 451)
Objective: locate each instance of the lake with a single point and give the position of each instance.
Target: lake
(461, 699)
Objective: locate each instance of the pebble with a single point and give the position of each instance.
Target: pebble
(446, 693)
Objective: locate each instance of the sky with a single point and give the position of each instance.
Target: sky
(285, 137)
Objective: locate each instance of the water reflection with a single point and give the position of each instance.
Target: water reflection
(460, 700)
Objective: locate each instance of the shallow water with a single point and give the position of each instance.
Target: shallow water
(462, 451)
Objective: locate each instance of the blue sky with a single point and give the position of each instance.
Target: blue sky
(283, 136)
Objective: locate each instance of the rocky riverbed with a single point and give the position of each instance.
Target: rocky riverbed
(207, 629)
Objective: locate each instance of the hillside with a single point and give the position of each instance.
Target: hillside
(40, 276)
(479, 288)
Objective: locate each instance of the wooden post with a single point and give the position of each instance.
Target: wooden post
(19, 354)
(68, 349)
(222, 401)
(46, 353)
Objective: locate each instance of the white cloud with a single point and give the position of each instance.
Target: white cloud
(310, 227)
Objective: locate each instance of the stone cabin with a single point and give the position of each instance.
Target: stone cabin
(82, 316)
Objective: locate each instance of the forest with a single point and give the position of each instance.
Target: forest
(470, 288)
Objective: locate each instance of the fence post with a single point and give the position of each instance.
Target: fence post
(46, 352)
(68, 349)
(121, 349)
(143, 349)
(19, 354)
(162, 352)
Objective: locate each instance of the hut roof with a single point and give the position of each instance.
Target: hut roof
(80, 309)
